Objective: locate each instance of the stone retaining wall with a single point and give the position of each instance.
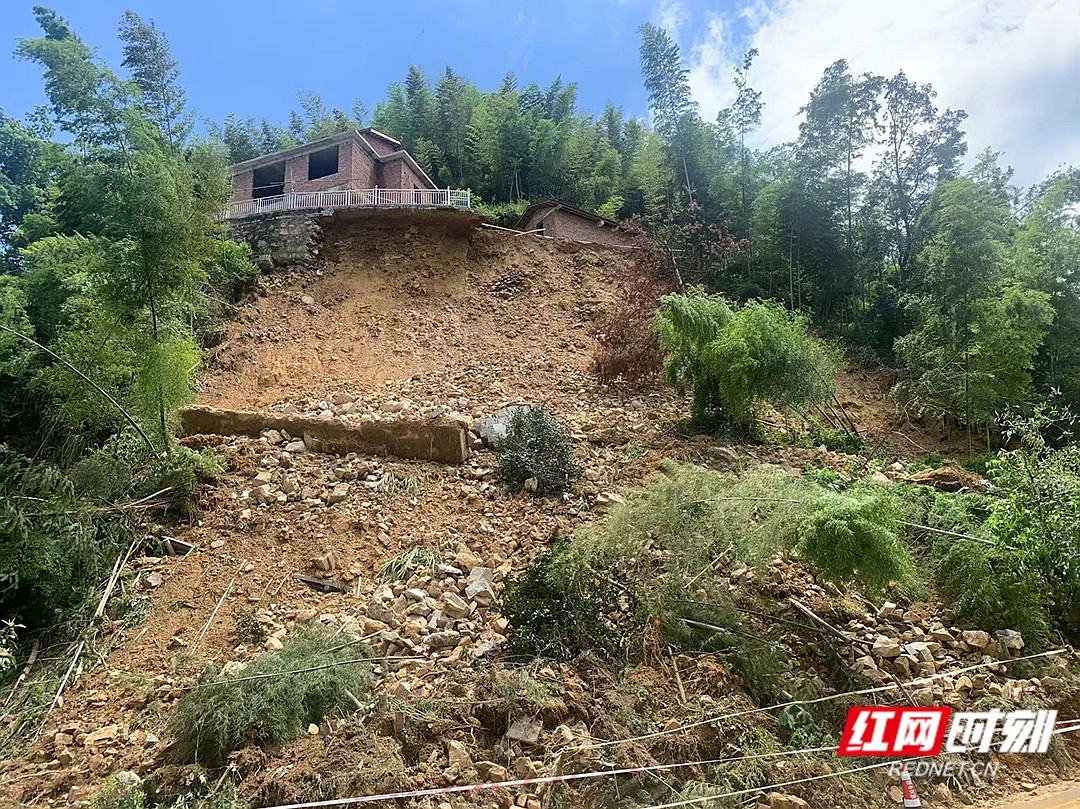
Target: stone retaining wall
(288, 238)
(443, 439)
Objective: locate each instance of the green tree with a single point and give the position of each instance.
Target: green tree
(668, 85)
(922, 146)
(153, 213)
(1047, 248)
(157, 75)
(734, 360)
(979, 326)
(28, 167)
(837, 127)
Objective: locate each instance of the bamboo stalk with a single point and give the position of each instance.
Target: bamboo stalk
(217, 607)
(34, 649)
(88, 380)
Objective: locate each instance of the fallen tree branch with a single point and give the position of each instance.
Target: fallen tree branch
(34, 649)
(217, 607)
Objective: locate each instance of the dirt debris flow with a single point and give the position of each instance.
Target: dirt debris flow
(410, 558)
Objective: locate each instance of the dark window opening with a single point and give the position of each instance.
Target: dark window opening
(268, 181)
(322, 163)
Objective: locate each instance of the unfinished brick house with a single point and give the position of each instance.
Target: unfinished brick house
(560, 221)
(352, 169)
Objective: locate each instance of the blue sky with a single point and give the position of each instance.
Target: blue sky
(1014, 65)
(251, 56)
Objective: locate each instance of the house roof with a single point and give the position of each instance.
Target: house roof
(357, 136)
(555, 205)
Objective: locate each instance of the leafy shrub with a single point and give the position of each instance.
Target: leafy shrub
(718, 628)
(538, 446)
(599, 588)
(182, 470)
(627, 344)
(551, 618)
(855, 536)
(9, 634)
(1038, 519)
(987, 586)
(54, 545)
(231, 270)
(734, 360)
(503, 214)
(122, 467)
(274, 699)
(835, 440)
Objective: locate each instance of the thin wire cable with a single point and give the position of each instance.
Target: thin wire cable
(771, 787)
(549, 779)
(862, 692)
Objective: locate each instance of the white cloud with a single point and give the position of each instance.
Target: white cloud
(1012, 64)
(670, 15)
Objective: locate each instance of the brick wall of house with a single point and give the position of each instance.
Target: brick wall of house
(410, 178)
(381, 147)
(365, 171)
(567, 225)
(356, 169)
(390, 174)
(241, 186)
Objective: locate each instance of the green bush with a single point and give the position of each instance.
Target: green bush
(988, 587)
(599, 588)
(735, 360)
(182, 470)
(1038, 518)
(855, 536)
(835, 440)
(551, 618)
(538, 446)
(123, 469)
(718, 628)
(503, 214)
(274, 699)
(55, 546)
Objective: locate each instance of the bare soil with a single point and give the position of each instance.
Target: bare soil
(472, 324)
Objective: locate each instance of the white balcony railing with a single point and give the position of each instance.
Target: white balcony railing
(353, 198)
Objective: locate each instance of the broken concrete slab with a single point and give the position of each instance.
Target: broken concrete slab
(444, 440)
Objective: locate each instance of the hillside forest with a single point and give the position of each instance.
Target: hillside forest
(874, 236)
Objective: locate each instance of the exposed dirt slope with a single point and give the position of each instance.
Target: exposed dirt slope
(408, 321)
(492, 317)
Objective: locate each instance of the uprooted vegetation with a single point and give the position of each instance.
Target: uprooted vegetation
(273, 699)
(734, 360)
(668, 553)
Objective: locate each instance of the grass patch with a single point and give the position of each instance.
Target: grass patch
(520, 690)
(393, 485)
(399, 568)
(274, 699)
(115, 794)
